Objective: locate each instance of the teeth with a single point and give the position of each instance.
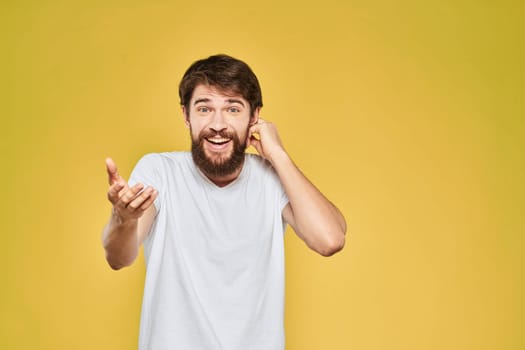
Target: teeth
(218, 140)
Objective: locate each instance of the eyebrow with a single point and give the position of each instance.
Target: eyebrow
(233, 100)
(230, 100)
(201, 100)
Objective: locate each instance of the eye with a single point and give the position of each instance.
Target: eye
(234, 110)
(203, 109)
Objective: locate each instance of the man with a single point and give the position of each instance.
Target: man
(212, 221)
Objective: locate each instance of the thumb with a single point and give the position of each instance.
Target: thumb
(113, 175)
(256, 143)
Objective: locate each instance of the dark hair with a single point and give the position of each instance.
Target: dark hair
(224, 72)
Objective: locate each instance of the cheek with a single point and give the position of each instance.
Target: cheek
(195, 129)
(241, 128)
(243, 134)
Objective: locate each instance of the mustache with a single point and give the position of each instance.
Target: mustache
(222, 133)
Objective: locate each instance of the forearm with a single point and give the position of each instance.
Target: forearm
(316, 220)
(120, 240)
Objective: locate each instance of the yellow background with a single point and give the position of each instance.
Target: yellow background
(409, 115)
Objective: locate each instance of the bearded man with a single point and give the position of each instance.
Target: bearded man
(212, 221)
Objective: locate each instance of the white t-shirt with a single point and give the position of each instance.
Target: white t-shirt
(214, 258)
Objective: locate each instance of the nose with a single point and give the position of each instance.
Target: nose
(217, 122)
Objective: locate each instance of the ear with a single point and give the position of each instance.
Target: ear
(186, 116)
(255, 116)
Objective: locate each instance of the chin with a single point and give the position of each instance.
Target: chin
(218, 158)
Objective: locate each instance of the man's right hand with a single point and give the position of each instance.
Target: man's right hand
(128, 202)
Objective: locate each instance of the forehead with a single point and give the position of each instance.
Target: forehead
(214, 94)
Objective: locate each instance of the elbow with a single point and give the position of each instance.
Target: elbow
(115, 266)
(335, 239)
(331, 246)
(117, 263)
(117, 256)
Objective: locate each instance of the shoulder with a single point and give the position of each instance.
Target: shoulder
(261, 169)
(258, 163)
(160, 164)
(164, 158)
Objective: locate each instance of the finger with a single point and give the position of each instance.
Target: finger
(113, 175)
(114, 191)
(130, 195)
(140, 198)
(254, 129)
(123, 190)
(256, 143)
(260, 126)
(150, 200)
(249, 135)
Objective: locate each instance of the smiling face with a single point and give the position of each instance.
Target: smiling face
(219, 124)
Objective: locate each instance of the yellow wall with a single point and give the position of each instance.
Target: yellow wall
(409, 116)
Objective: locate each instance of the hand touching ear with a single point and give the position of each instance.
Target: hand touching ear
(268, 142)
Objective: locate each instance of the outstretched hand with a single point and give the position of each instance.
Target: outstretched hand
(128, 202)
(268, 142)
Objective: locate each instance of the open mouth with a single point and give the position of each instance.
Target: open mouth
(218, 140)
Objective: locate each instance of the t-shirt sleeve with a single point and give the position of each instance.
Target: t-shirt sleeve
(276, 185)
(284, 198)
(148, 171)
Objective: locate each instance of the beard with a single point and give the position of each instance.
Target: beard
(218, 164)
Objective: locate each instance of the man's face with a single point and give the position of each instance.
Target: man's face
(219, 124)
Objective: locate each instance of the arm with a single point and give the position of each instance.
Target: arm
(312, 216)
(130, 221)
